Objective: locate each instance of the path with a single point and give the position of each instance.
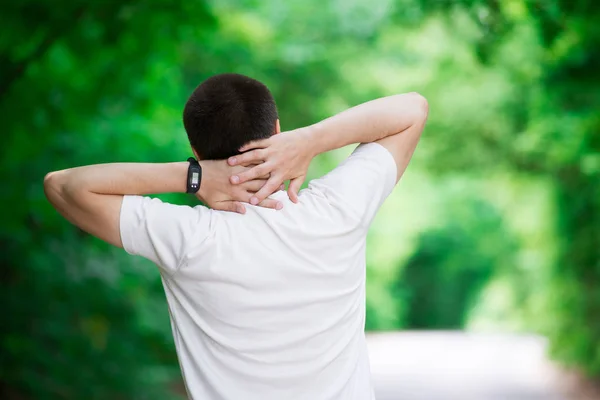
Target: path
(463, 366)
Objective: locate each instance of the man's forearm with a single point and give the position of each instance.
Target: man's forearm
(90, 197)
(123, 178)
(367, 122)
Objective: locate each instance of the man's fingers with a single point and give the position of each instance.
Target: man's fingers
(271, 203)
(252, 157)
(294, 188)
(233, 206)
(252, 173)
(254, 185)
(239, 207)
(268, 189)
(255, 144)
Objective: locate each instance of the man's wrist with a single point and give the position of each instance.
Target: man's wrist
(202, 192)
(312, 140)
(180, 171)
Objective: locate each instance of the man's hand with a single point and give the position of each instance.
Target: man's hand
(282, 157)
(219, 194)
(286, 156)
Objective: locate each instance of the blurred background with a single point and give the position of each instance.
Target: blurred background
(491, 240)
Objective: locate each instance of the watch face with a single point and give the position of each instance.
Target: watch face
(194, 178)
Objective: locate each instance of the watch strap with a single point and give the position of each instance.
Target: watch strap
(194, 176)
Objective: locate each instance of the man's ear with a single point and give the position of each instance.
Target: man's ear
(277, 127)
(195, 154)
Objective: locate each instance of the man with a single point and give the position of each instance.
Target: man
(267, 302)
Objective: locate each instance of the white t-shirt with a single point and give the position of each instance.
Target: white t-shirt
(270, 304)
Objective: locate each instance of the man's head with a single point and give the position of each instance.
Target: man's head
(227, 111)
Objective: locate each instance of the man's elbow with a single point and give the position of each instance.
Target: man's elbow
(55, 185)
(421, 106)
(52, 185)
(50, 181)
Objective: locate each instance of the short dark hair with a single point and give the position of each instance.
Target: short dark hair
(227, 111)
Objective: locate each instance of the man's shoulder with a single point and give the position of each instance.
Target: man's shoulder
(361, 182)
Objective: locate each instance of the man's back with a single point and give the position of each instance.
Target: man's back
(271, 304)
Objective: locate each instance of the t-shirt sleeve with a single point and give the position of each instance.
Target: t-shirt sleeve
(161, 231)
(362, 182)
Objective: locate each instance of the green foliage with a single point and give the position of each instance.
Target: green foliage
(442, 279)
(546, 52)
(514, 92)
(81, 321)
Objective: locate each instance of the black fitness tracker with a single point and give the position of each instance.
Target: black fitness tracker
(194, 176)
